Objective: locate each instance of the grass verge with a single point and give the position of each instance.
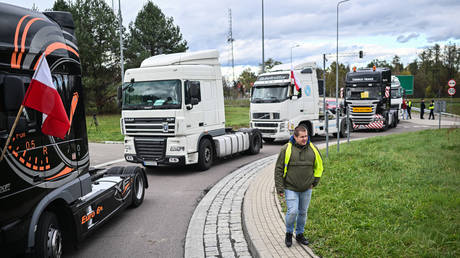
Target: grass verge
(395, 196)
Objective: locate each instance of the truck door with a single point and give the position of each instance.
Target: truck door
(194, 115)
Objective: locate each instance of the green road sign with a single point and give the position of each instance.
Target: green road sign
(407, 83)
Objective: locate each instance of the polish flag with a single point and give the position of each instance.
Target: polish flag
(43, 96)
(297, 87)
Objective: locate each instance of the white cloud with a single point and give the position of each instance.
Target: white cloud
(384, 28)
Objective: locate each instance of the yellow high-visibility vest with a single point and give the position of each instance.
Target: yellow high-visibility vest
(431, 107)
(317, 168)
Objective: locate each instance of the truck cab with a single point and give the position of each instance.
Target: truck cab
(368, 96)
(173, 112)
(48, 194)
(397, 93)
(277, 107)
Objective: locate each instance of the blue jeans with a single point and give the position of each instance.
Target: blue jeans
(297, 206)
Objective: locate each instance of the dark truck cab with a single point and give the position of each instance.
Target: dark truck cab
(48, 194)
(368, 97)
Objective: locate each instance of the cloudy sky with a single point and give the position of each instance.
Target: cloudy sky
(380, 28)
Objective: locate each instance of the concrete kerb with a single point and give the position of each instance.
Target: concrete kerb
(194, 241)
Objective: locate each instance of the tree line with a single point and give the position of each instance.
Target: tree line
(97, 33)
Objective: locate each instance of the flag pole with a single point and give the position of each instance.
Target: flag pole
(12, 131)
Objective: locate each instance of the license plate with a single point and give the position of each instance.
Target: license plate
(150, 163)
(362, 109)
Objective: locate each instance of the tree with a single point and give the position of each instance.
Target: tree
(378, 63)
(269, 63)
(397, 65)
(96, 30)
(152, 33)
(247, 79)
(330, 78)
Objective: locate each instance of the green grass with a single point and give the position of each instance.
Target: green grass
(391, 196)
(108, 129)
(236, 117)
(109, 125)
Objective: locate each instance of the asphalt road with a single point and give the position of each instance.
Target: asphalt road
(158, 227)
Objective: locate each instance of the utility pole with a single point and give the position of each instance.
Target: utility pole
(230, 41)
(263, 58)
(121, 42)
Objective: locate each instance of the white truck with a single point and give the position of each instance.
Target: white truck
(173, 112)
(277, 107)
(396, 97)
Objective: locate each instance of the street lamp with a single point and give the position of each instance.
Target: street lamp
(121, 42)
(263, 58)
(337, 78)
(297, 45)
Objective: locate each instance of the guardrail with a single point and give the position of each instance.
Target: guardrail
(428, 111)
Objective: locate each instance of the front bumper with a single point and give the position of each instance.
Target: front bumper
(167, 160)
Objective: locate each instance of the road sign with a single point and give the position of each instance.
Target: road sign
(407, 83)
(452, 83)
(451, 91)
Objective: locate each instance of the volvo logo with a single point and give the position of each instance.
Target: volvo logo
(165, 127)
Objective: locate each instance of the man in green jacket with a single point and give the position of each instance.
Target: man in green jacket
(298, 169)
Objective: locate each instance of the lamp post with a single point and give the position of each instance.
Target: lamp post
(297, 45)
(121, 43)
(263, 58)
(337, 78)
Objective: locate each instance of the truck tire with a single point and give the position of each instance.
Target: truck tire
(48, 241)
(205, 154)
(138, 188)
(343, 128)
(255, 144)
(268, 140)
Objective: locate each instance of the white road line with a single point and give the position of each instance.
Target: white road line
(109, 163)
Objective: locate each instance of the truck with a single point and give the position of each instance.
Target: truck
(397, 93)
(277, 107)
(368, 98)
(49, 196)
(173, 113)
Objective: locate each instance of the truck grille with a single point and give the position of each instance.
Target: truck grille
(149, 126)
(266, 115)
(265, 124)
(151, 149)
(267, 131)
(362, 114)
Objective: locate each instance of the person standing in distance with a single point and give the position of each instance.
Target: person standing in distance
(431, 108)
(298, 170)
(422, 108)
(409, 108)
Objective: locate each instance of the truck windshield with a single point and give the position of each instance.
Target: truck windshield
(357, 93)
(269, 94)
(152, 95)
(396, 93)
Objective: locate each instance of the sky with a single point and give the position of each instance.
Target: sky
(307, 28)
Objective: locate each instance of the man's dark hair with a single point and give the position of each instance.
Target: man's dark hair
(298, 129)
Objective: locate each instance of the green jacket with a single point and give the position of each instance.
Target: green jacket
(300, 170)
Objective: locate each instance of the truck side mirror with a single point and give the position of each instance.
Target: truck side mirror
(299, 94)
(195, 91)
(194, 101)
(119, 96)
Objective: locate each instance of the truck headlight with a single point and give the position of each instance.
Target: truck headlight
(177, 148)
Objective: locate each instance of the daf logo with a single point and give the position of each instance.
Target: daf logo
(129, 119)
(165, 127)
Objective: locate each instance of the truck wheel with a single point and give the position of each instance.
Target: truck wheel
(205, 155)
(268, 140)
(138, 188)
(343, 128)
(49, 236)
(255, 144)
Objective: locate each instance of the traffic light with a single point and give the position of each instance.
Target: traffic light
(360, 54)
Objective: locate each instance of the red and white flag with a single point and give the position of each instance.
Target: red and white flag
(297, 85)
(43, 96)
(387, 92)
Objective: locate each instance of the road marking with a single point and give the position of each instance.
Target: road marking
(109, 163)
